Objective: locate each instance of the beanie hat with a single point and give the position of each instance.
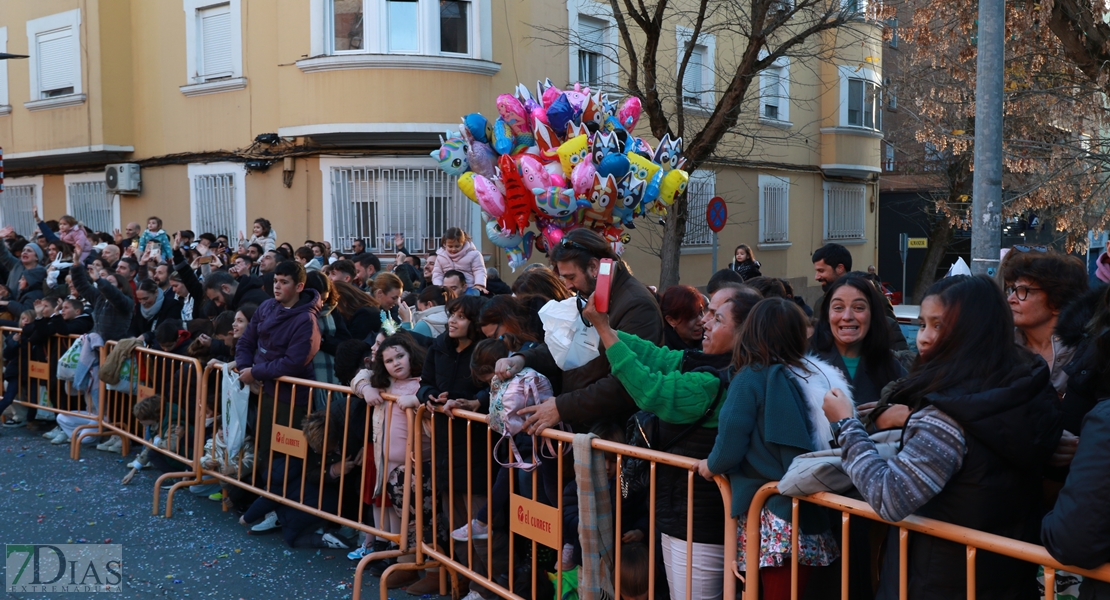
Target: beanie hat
(37, 249)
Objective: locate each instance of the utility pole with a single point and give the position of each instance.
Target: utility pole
(986, 207)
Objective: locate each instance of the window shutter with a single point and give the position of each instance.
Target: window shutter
(215, 43)
(692, 78)
(591, 33)
(56, 60)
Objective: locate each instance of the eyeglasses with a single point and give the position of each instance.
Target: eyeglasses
(1026, 248)
(1021, 291)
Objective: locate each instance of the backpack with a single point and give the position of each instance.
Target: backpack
(527, 388)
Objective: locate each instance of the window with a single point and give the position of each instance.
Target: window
(774, 209)
(591, 41)
(774, 91)
(891, 94)
(893, 25)
(218, 199)
(592, 45)
(16, 208)
(888, 158)
(90, 203)
(377, 201)
(214, 47)
(396, 27)
(55, 65)
(845, 205)
(699, 192)
(864, 104)
(698, 81)
(854, 7)
(5, 106)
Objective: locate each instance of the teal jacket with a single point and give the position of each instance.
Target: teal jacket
(763, 427)
(652, 376)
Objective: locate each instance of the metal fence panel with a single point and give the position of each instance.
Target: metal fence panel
(91, 205)
(375, 204)
(16, 205)
(214, 203)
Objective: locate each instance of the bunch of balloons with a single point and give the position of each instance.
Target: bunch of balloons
(564, 161)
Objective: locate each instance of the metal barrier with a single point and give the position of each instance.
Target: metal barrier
(974, 541)
(283, 460)
(38, 378)
(542, 524)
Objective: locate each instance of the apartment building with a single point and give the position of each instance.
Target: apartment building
(319, 115)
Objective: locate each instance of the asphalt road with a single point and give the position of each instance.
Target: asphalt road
(202, 552)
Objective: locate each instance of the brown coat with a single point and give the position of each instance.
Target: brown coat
(591, 393)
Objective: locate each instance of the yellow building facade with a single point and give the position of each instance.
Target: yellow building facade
(319, 115)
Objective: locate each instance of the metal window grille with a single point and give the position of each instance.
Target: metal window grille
(91, 204)
(774, 223)
(17, 204)
(214, 204)
(698, 193)
(844, 211)
(374, 204)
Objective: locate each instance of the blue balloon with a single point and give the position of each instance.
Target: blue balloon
(559, 114)
(614, 164)
(477, 124)
(502, 137)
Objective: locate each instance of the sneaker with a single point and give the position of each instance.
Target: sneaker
(358, 553)
(217, 497)
(473, 595)
(204, 489)
(49, 434)
(333, 542)
(168, 484)
(268, 525)
(14, 423)
(110, 445)
(481, 532)
(60, 438)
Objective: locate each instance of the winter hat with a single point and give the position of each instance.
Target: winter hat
(37, 249)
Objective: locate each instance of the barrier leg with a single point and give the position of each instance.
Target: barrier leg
(169, 498)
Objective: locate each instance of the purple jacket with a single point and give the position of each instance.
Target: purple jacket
(281, 342)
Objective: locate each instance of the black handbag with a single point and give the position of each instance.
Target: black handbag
(642, 431)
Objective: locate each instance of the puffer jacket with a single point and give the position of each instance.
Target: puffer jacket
(747, 269)
(112, 308)
(27, 296)
(468, 260)
(281, 342)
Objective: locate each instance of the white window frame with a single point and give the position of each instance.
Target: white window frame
(93, 177)
(608, 65)
(474, 228)
(35, 27)
(829, 186)
(888, 157)
(5, 103)
(683, 36)
(194, 85)
(239, 171)
(767, 182)
(698, 236)
(781, 68)
(868, 75)
(34, 181)
(375, 52)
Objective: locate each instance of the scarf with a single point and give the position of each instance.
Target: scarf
(149, 313)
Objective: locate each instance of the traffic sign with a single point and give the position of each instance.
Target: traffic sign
(716, 214)
(917, 243)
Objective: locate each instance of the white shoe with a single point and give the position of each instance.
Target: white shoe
(53, 432)
(334, 542)
(473, 596)
(270, 523)
(113, 444)
(60, 439)
(481, 532)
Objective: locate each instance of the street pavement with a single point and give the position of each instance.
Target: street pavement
(202, 552)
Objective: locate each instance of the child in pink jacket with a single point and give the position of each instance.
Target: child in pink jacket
(458, 253)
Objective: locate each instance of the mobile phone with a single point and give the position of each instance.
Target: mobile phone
(604, 282)
(203, 260)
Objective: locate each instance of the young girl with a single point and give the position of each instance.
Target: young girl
(744, 263)
(458, 253)
(155, 233)
(263, 235)
(430, 318)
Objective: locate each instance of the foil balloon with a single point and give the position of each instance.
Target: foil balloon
(575, 130)
(560, 113)
(593, 113)
(532, 173)
(466, 185)
(668, 154)
(674, 183)
(500, 238)
(519, 201)
(490, 197)
(629, 113)
(602, 201)
(642, 169)
(651, 191)
(550, 236)
(629, 192)
(554, 202)
(578, 97)
(582, 181)
(572, 152)
(546, 141)
(477, 124)
(520, 255)
(616, 165)
(513, 114)
(547, 92)
(482, 159)
(502, 137)
(602, 144)
(452, 155)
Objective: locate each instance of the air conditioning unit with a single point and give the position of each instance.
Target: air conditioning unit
(123, 178)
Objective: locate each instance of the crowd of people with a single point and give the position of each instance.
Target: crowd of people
(996, 410)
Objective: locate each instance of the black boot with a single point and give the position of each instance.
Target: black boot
(377, 567)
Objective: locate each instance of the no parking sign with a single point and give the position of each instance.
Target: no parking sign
(716, 214)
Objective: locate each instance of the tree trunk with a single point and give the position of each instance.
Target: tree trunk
(939, 239)
(670, 254)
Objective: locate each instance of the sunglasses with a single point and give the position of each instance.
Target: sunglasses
(1026, 248)
(572, 245)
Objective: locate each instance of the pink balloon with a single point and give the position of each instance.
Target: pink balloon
(533, 173)
(582, 177)
(490, 198)
(629, 113)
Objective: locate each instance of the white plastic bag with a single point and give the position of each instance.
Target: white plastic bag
(233, 411)
(570, 339)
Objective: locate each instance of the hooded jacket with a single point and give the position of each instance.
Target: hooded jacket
(1010, 432)
(280, 342)
(112, 308)
(747, 269)
(434, 321)
(468, 260)
(26, 297)
(13, 265)
(248, 291)
(1087, 371)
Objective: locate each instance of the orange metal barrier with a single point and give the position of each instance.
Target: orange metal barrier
(38, 380)
(973, 539)
(542, 524)
(280, 449)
